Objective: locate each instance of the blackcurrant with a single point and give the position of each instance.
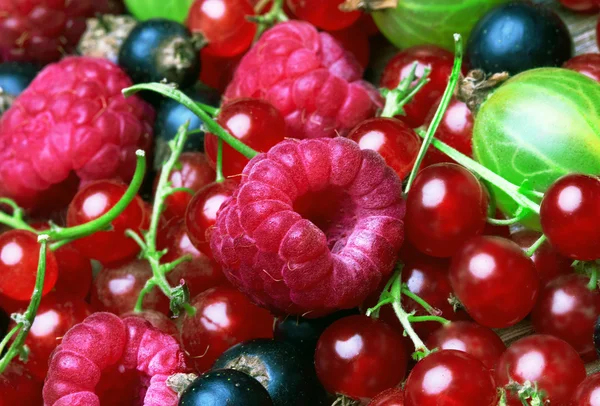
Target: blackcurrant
(519, 36)
(160, 49)
(285, 372)
(225, 387)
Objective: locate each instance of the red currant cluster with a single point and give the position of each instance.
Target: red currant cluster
(311, 240)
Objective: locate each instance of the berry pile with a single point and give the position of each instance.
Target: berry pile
(212, 203)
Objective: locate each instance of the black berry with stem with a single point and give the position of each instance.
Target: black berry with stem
(285, 372)
(225, 387)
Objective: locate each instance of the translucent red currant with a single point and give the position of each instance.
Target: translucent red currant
(355, 40)
(445, 206)
(396, 142)
(93, 201)
(588, 64)
(19, 253)
(255, 122)
(580, 5)
(570, 216)
(389, 397)
(18, 387)
(224, 25)
(324, 14)
(588, 392)
(448, 378)
(359, 357)
(494, 280)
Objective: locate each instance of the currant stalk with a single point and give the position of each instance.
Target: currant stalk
(266, 21)
(397, 98)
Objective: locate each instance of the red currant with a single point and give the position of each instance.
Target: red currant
(438, 60)
(217, 71)
(18, 387)
(567, 309)
(19, 254)
(449, 378)
(545, 361)
(588, 64)
(224, 317)
(456, 130)
(199, 274)
(497, 230)
(55, 316)
(548, 263)
(93, 201)
(581, 5)
(481, 342)
(201, 213)
(570, 216)
(495, 281)
(368, 24)
(445, 206)
(324, 14)
(255, 122)
(389, 397)
(397, 143)
(74, 273)
(158, 320)
(588, 392)
(359, 357)
(224, 25)
(355, 40)
(116, 289)
(194, 173)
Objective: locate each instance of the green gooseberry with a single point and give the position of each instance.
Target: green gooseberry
(538, 126)
(419, 22)
(176, 10)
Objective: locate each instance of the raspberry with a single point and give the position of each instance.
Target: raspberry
(309, 77)
(71, 123)
(44, 30)
(314, 226)
(104, 353)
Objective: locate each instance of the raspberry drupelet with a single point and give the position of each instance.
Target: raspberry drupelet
(314, 226)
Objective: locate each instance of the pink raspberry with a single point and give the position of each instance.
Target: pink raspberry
(314, 226)
(309, 77)
(45, 30)
(106, 360)
(72, 122)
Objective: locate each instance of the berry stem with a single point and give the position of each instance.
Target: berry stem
(510, 189)
(536, 245)
(419, 319)
(26, 321)
(219, 163)
(519, 215)
(148, 245)
(210, 124)
(16, 219)
(439, 114)
(593, 283)
(406, 292)
(213, 111)
(272, 17)
(397, 98)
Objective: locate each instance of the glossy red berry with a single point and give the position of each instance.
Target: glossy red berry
(396, 142)
(548, 263)
(570, 216)
(456, 130)
(472, 338)
(450, 378)
(497, 230)
(567, 309)
(581, 5)
(19, 254)
(588, 392)
(194, 173)
(438, 60)
(223, 24)
(55, 316)
(95, 200)
(74, 273)
(201, 272)
(495, 281)
(324, 14)
(224, 317)
(588, 64)
(355, 40)
(389, 397)
(217, 71)
(445, 206)
(545, 361)
(359, 357)
(117, 288)
(254, 122)
(202, 211)
(19, 387)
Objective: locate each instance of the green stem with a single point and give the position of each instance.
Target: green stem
(520, 215)
(210, 124)
(8, 336)
(182, 189)
(507, 187)
(419, 319)
(83, 230)
(397, 98)
(531, 250)
(403, 317)
(213, 111)
(593, 283)
(16, 219)
(439, 114)
(219, 166)
(265, 21)
(139, 304)
(166, 268)
(406, 292)
(32, 309)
